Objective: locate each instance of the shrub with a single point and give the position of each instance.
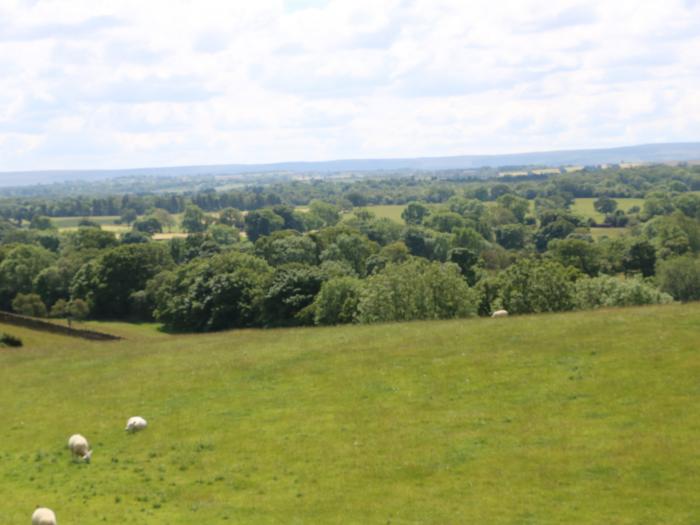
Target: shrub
(10, 340)
(417, 289)
(531, 286)
(337, 301)
(610, 291)
(29, 304)
(680, 277)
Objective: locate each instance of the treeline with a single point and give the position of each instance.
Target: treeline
(455, 256)
(435, 189)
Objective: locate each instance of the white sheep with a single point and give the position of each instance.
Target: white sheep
(500, 313)
(79, 446)
(43, 516)
(136, 423)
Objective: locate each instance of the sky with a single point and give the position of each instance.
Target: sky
(131, 83)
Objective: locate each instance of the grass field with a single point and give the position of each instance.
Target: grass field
(584, 206)
(588, 417)
(388, 211)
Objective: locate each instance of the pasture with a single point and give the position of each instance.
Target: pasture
(584, 207)
(586, 417)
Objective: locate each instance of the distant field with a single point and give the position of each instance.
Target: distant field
(72, 222)
(598, 233)
(107, 223)
(388, 211)
(584, 206)
(587, 417)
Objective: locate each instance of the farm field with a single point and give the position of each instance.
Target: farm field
(586, 417)
(584, 207)
(388, 211)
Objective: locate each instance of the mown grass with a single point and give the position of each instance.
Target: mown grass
(588, 417)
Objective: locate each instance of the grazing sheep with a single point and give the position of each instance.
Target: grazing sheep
(135, 424)
(79, 446)
(43, 516)
(500, 313)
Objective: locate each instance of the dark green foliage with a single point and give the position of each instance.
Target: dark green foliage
(40, 222)
(19, 268)
(608, 291)
(512, 236)
(122, 271)
(532, 286)
(605, 205)
(582, 255)
(467, 260)
(29, 304)
(641, 257)
(194, 220)
(148, 225)
(10, 340)
(415, 213)
(262, 222)
(337, 301)
(680, 277)
(416, 289)
(225, 291)
(293, 288)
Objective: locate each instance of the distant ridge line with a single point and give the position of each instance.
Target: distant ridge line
(646, 153)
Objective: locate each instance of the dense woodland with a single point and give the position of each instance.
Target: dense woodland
(301, 253)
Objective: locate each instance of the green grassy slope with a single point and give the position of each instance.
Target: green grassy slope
(588, 417)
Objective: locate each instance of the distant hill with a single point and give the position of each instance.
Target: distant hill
(684, 151)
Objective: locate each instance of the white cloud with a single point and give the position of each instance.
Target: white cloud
(131, 83)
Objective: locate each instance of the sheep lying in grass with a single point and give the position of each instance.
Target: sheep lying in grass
(500, 313)
(79, 446)
(135, 424)
(43, 516)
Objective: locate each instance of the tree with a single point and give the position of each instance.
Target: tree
(516, 205)
(640, 257)
(582, 255)
(224, 291)
(606, 291)
(531, 286)
(292, 290)
(193, 220)
(329, 214)
(149, 225)
(29, 304)
(53, 283)
(286, 247)
(262, 222)
(128, 216)
(231, 217)
(78, 309)
(59, 309)
(467, 260)
(512, 236)
(337, 301)
(164, 218)
(352, 248)
(417, 289)
(40, 222)
(605, 205)
(445, 221)
(223, 235)
(680, 277)
(415, 213)
(122, 271)
(20, 267)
